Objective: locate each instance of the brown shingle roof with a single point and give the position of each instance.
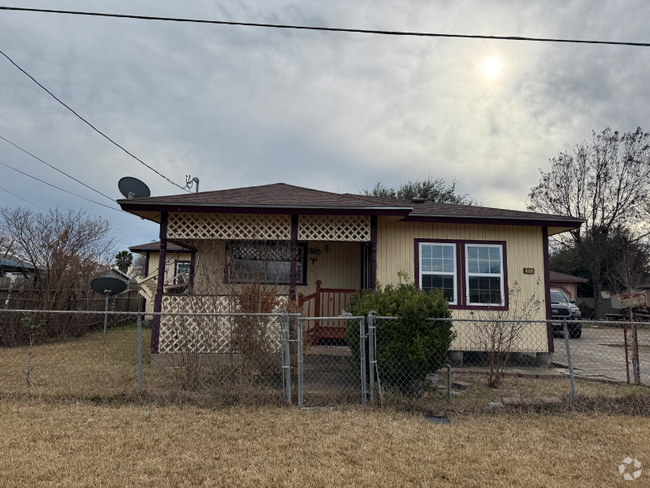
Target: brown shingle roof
(561, 277)
(282, 196)
(155, 246)
(275, 195)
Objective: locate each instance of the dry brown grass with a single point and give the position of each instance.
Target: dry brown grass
(86, 445)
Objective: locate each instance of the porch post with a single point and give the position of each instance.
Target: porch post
(192, 268)
(157, 303)
(547, 291)
(372, 272)
(294, 258)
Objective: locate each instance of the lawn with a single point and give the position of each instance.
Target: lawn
(74, 445)
(83, 422)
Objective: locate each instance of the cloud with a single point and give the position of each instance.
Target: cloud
(242, 106)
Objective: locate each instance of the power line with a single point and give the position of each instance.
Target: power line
(56, 169)
(54, 186)
(91, 125)
(10, 193)
(332, 29)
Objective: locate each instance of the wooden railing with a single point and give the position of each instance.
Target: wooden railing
(326, 302)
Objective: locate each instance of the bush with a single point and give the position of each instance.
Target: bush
(410, 347)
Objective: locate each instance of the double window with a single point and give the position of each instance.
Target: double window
(470, 274)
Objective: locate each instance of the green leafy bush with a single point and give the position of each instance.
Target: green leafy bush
(410, 347)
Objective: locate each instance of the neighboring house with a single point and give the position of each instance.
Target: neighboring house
(566, 283)
(178, 261)
(12, 269)
(350, 242)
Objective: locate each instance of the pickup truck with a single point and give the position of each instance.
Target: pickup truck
(562, 308)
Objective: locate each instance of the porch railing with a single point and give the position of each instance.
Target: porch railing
(325, 302)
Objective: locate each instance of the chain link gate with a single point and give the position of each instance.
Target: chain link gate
(331, 360)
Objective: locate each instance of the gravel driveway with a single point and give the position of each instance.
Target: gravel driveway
(600, 353)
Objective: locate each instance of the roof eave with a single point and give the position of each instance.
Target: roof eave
(128, 205)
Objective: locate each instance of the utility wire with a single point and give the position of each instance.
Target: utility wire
(56, 169)
(331, 29)
(54, 186)
(10, 193)
(91, 125)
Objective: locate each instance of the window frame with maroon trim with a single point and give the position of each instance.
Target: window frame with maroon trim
(461, 275)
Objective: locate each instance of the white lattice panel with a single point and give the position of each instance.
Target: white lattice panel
(352, 228)
(210, 335)
(229, 226)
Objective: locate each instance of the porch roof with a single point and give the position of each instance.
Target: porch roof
(281, 198)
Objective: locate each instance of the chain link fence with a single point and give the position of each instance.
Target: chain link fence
(281, 358)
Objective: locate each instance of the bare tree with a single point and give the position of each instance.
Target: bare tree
(603, 181)
(501, 333)
(67, 249)
(139, 265)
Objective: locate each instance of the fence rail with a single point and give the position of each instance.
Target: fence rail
(283, 358)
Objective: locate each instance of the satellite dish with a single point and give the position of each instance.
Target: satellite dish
(108, 286)
(133, 188)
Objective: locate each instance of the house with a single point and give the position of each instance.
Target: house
(178, 261)
(306, 238)
(566, 283)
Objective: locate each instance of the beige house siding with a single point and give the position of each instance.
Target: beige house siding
(524, 249)
(170, 266)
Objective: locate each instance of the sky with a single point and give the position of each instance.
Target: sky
(242, 106)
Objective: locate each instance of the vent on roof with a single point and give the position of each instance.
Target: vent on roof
(417, 200)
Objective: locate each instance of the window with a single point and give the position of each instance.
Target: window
(183, 267)
(484, 274)
(471, 274)
(269, 262)
(438, 269)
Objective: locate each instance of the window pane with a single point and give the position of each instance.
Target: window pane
(438, 258)
(440, 282)
(485, 289)
(472, 252)
(487, 260)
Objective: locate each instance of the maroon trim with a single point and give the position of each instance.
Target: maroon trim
(157, 304)
(372, 272)
(461, 282)
(494, 221)
(192, 267)
(294, 258)
(547, 292)
(132, 207)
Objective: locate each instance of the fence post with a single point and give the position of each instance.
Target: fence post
(106, 316)
(372, 360)
(568, 356)
(635, 356)
(286, 357)
(140, 352)
(300, 361)
(362, 353)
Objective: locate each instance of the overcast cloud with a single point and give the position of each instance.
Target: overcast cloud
(240, 106)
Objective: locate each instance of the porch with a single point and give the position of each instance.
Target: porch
(315, 262)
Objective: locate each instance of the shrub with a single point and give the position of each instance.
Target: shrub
(410, 347)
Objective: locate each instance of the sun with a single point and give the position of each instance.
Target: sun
(492, 68)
